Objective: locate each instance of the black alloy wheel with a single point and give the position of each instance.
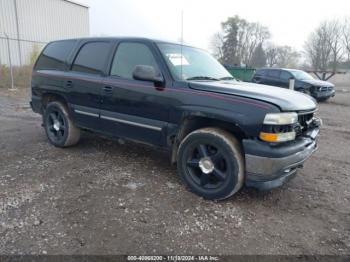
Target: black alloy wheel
(211, 164)
(207, 166)
(57, 126)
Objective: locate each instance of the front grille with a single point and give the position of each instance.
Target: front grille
(325, 88)
(304, 119)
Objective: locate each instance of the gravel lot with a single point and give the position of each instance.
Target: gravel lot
(103, 197)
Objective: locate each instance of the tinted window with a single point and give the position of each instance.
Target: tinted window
(91, 58)
(128, 56)
(274, 73)
(55, 55)
(261, 72)
(285, 75)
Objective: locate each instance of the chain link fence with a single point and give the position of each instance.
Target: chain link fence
(17, 57)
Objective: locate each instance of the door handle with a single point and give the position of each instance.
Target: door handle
(69, 84)
(108, 89)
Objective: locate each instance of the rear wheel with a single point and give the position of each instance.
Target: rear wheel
(59, 126)
(210, 163)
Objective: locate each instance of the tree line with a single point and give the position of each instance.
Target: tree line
(241, 42)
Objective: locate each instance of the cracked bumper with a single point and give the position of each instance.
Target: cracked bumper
(272, 167)
(323, 94)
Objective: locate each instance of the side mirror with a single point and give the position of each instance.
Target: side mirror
(147, 73)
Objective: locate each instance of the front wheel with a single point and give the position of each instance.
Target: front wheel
(211, 164)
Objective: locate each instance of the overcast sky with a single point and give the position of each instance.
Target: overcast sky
(290, 22)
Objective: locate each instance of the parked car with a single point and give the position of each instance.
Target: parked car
(222, 133)
(304, 82)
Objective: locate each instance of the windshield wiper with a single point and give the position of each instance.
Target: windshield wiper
(202, 78)
(227, 78)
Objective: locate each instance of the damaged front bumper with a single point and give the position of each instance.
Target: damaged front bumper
(323, 94)
(271, 165)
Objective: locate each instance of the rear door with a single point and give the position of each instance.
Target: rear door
(49, 73)
(131, 108)
(85, 82)
(273, 77)
(259, 76)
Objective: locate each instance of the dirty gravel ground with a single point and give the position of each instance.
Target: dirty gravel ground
(102, 197)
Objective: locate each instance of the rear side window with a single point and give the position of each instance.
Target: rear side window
(91, 58)
(274, 73)
(54, 55)
(128, 56)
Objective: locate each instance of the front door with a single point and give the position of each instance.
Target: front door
(132, 108)
(284, 79)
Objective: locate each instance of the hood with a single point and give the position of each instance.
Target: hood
(316, 82)
(285, 99)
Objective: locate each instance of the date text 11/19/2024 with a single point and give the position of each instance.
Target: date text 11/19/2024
(173, 258)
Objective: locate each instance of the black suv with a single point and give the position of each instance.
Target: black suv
(304, 82)
(222, 133)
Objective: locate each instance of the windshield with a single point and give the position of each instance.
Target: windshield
(196, 63)
(301, 75)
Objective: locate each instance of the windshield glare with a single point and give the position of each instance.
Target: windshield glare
(188, 62)
(301, 75)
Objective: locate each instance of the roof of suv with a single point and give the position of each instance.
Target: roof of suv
(275, 68)
(124, 38)
(264, 70)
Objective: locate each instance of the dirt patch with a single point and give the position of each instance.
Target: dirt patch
(102, 197)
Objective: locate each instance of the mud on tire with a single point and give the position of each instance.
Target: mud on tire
(59, 126)
(211, 164)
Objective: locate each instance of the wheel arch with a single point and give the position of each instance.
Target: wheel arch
(52, 96)
(191, 123)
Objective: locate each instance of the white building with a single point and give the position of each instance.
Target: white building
(30, 24)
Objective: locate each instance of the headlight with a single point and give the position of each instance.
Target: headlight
(281, 119)
(279, 127)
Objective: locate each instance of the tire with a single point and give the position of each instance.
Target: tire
(220, 179)
(59, 126)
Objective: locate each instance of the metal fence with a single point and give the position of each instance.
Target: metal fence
(17, 57)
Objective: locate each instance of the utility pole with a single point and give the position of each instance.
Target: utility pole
(18, 34)
(10, 61)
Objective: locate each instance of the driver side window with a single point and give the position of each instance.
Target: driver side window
(128, 56)
(285, 76)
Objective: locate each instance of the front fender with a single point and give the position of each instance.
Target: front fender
(248, 121)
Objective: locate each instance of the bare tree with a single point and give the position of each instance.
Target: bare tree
(255, 35)
(335, 42)
(281, 56)
(271, 52)
(216, 44)
(318, 49)
(287, 57)
(324, 47)
(346, 36)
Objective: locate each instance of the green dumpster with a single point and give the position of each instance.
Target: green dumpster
(241, 73)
